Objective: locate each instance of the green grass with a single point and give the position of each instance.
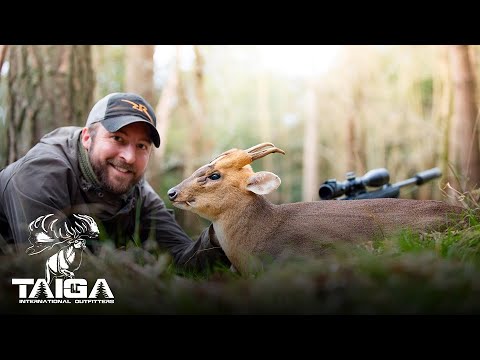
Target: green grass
(433, 273)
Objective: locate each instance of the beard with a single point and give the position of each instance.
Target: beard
(103, 168)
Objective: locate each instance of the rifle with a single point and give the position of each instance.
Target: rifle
(354, 188)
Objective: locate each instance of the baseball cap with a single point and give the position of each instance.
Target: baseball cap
(117, 110)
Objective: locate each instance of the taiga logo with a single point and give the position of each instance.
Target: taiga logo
(65, 292)
(48, 231)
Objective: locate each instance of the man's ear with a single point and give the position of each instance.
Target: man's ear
(86, 138)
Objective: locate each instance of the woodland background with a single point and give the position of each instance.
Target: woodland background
(405, 108)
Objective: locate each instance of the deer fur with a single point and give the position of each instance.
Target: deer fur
(251, 229)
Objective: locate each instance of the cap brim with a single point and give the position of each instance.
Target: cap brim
(116, 123)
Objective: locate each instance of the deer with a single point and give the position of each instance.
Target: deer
(253, 231)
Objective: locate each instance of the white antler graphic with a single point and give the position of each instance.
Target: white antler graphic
(47, 231)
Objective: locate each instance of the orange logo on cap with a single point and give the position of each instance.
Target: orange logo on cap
(139, 107)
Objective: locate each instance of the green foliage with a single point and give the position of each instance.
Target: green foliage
(426, 92)
(433, 273)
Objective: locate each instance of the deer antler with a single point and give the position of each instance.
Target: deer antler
(244, 157)
(263, 149)
(222, 155)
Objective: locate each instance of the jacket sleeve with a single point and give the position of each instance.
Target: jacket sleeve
(34, 190)
(201, 254)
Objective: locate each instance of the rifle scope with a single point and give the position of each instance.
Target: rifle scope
(332, 188)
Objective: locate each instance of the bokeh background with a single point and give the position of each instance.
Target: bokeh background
(332, 109)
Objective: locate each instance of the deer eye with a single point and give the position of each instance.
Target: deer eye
(214, 176)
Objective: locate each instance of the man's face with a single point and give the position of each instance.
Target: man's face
(118, 159)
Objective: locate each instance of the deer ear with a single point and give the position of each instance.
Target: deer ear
(263, 182)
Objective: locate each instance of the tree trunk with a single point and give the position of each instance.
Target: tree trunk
(464, 144)
(165, 106)
(201, 98)
(264, 125)
(193, 111)
(139, 70)
(139, 80)
(310, 175)
(193, 108)
(356, 144)
(3, 53)
(442, 110)
(48, 86)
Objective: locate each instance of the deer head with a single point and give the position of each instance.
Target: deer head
(228, 178)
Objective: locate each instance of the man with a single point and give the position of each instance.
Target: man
(97, 171)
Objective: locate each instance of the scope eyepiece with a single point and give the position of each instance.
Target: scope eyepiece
(331, 189)
(326, 192)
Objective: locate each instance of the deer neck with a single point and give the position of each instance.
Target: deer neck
(240, 229)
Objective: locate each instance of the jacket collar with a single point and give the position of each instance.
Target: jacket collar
(86, 167)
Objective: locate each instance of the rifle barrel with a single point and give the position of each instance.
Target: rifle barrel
(420, 178)
(410, 181)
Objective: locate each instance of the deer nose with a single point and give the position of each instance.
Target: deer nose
(172, 194)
